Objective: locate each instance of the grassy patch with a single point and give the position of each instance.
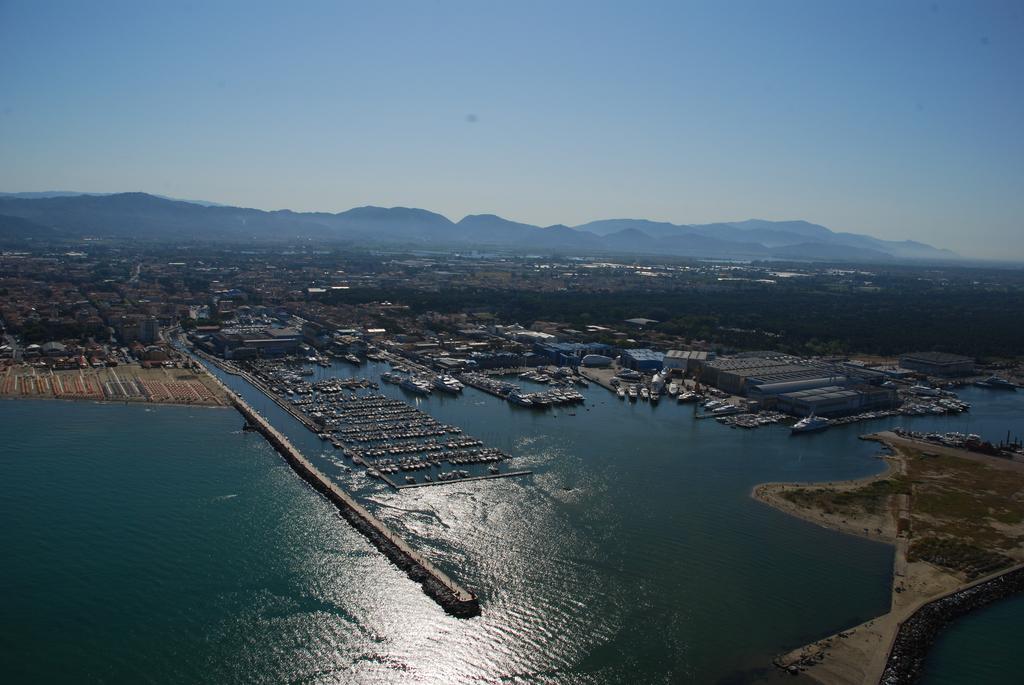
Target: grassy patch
(971, 560)
(870, 498)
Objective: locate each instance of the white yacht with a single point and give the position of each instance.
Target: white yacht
(448, 384)
(415, 385)
(521, 400)
(810, 424)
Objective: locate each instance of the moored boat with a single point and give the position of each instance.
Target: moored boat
(810, 424)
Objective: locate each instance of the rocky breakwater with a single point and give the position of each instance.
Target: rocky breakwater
(918, 632)
(453, 598)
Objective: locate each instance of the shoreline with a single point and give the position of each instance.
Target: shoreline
(770, 494)
(179, 386)
(51, 398)
(892, 647)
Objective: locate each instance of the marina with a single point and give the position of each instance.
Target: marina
(589, 477)
(383, 435)
(451, 596)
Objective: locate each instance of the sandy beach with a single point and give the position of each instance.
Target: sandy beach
(879, 508)
(126, 383)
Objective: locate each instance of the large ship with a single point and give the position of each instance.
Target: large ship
(415, 385)
(516, 397)
(810, 424)
(995, 383)
(447, 384)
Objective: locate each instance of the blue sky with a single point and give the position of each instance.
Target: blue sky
(898, 119)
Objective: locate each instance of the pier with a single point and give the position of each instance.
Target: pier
(452, 597)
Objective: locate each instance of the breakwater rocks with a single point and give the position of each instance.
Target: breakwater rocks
(453, 599)
(918, 632)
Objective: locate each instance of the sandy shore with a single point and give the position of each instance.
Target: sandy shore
(115, 385)
(881, 527)
(858, 656)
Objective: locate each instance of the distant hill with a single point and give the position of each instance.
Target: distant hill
(72, 193)
(142, 216)
(781, 239)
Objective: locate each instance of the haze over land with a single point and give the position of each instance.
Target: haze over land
(45, 215)
(897, 120)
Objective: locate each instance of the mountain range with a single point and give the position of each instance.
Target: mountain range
(143, 216)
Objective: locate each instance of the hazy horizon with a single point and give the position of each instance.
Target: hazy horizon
(896, 121)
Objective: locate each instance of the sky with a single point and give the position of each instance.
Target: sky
(903, 120)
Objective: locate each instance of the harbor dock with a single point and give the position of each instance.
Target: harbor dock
(452, 597)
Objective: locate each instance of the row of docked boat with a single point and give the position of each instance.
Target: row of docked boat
(489, 384)
(564, 376)
(937, 406)
(544, 399)
(421, 386)
(652, 393)
(375, 431)
(752, 419)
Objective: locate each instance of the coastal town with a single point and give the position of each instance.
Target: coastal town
(512, 343)
(139, 331)
(96, 327)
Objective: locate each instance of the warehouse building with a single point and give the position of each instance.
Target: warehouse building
(938, 364)
(835, 400)
(643, 360)
(686, 360)
(570, 353)
(269, 342)
(738, 375)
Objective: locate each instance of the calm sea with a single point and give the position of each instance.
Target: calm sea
(164, 544)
